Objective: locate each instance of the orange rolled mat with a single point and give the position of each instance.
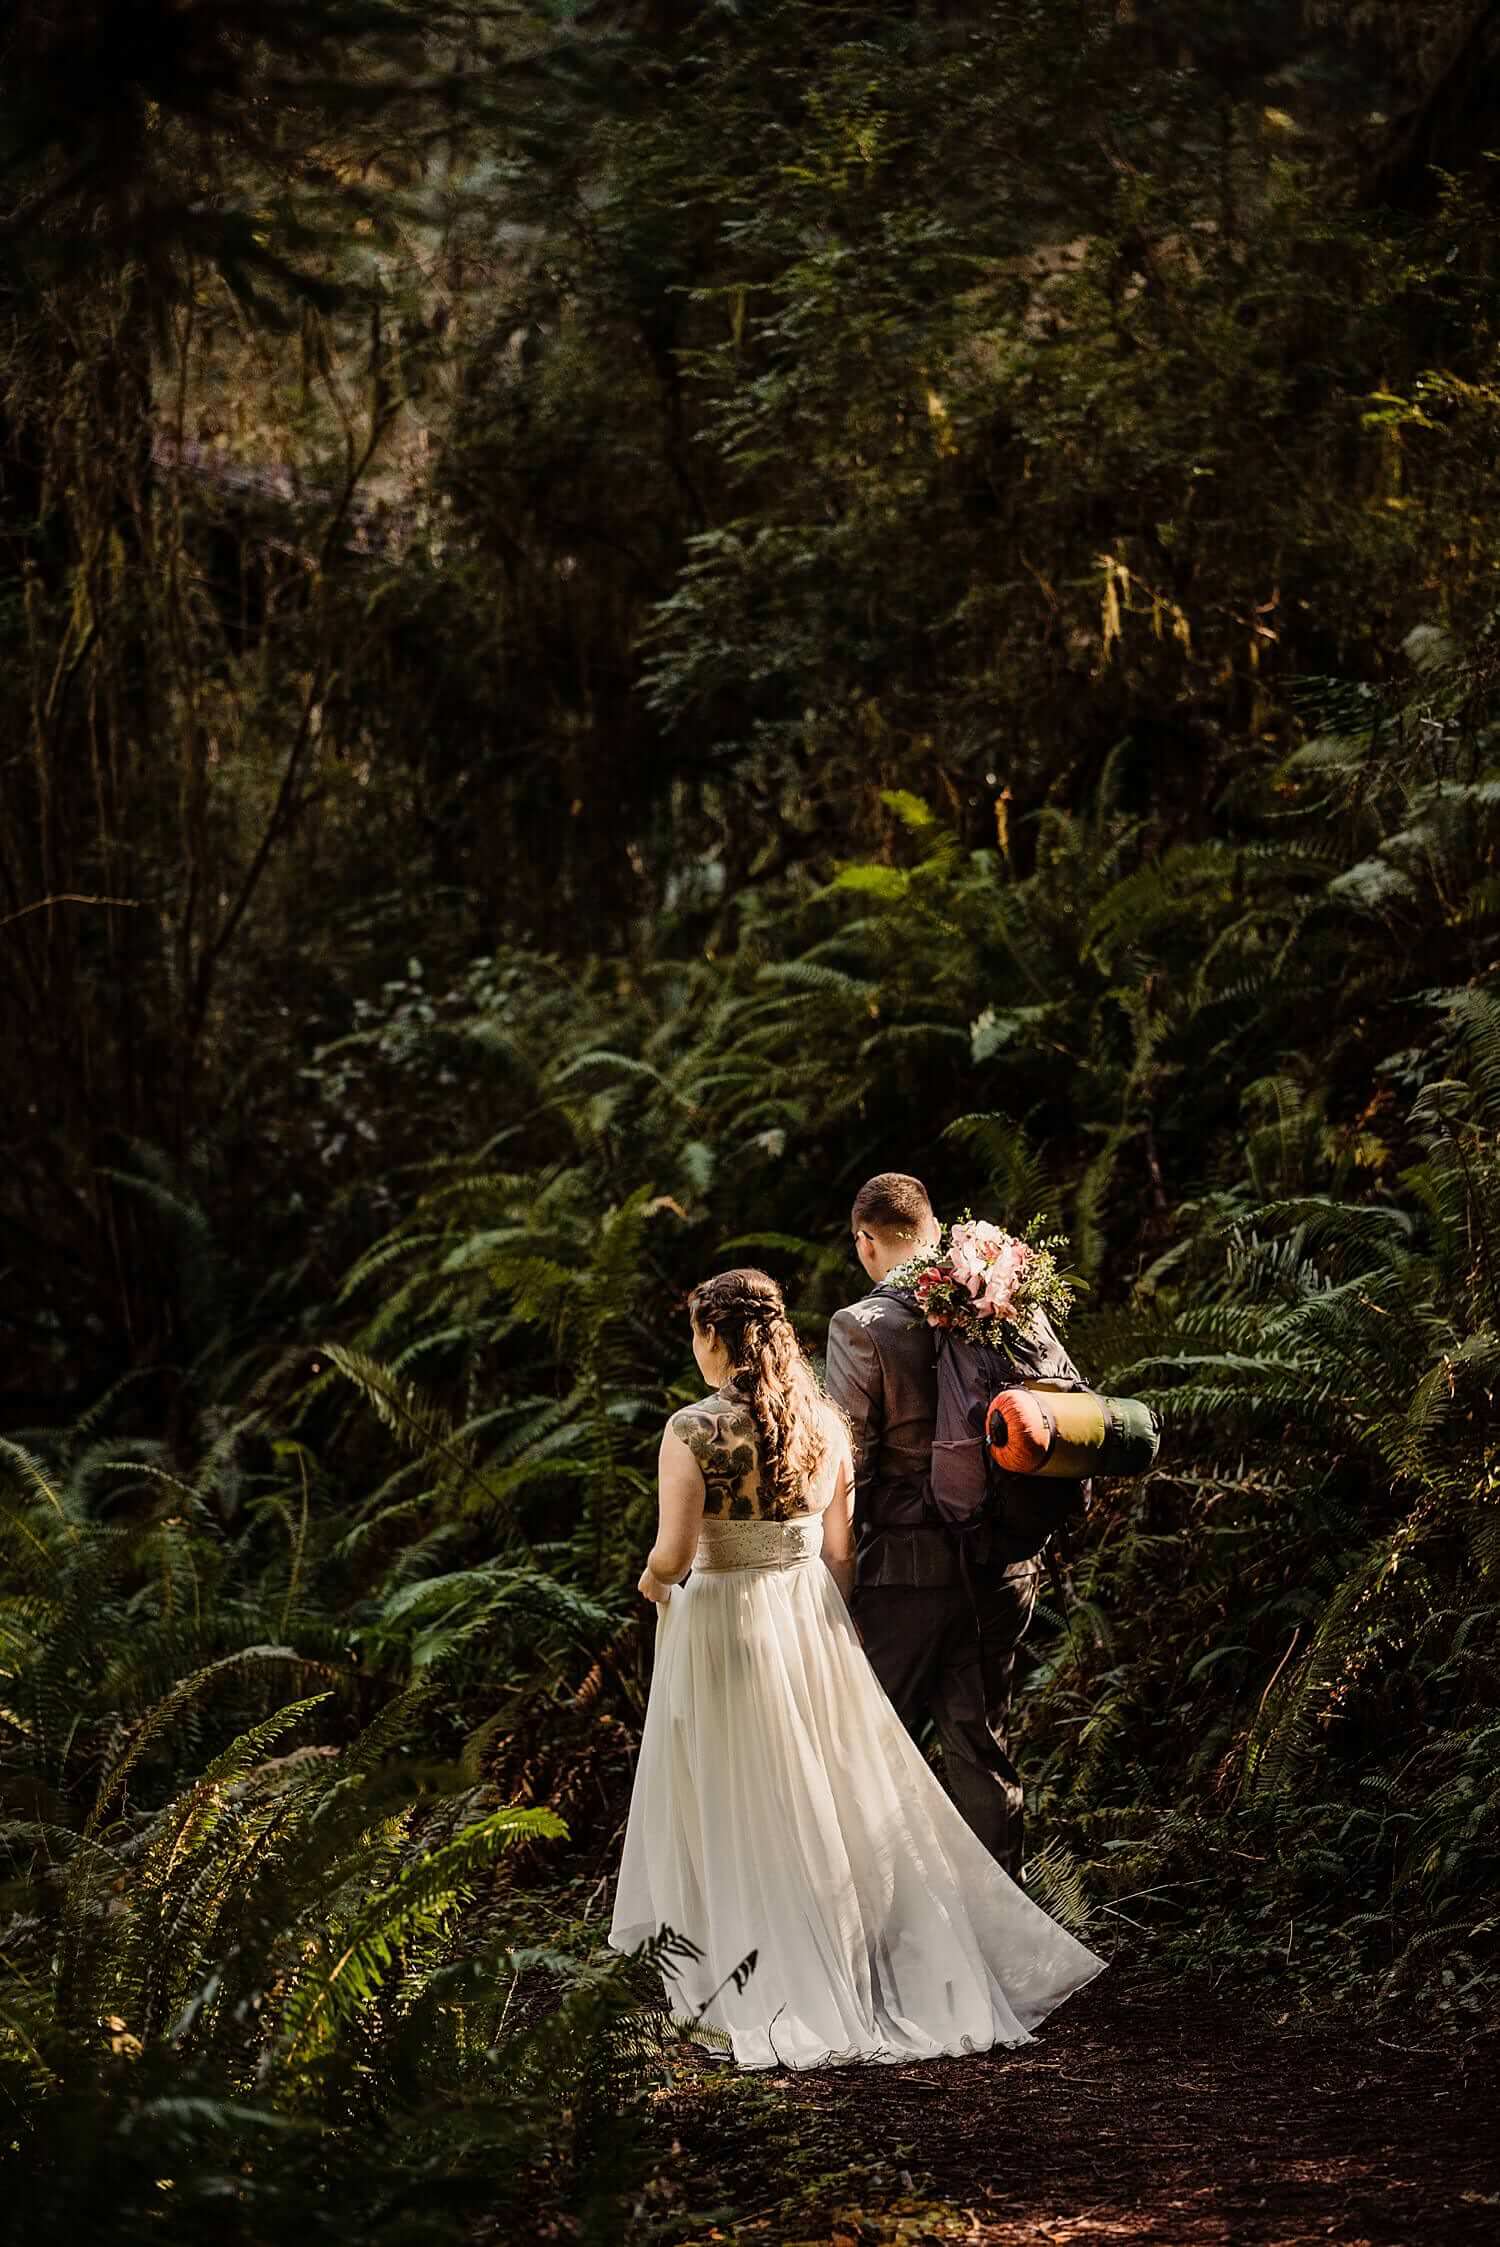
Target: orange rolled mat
(1020, 1432)
(1050, 1432)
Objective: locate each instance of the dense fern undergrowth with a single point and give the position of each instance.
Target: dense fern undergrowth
(606, 628)
(319, 1706)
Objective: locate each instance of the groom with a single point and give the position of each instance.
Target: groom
(916, 1615)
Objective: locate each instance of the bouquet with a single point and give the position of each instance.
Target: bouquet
(979, 1280)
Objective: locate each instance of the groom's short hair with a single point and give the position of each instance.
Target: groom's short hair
(891, 1202)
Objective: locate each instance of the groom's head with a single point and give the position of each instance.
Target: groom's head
(891, 1219)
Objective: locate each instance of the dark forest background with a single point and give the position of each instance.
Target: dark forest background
(611, 618)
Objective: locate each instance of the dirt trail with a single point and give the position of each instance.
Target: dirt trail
(1170, 2117)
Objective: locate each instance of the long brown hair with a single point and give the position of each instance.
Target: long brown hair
(746, 1311)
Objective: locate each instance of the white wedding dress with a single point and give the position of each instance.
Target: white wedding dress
(781, 1807)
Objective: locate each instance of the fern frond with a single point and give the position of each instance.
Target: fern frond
(353, 1962)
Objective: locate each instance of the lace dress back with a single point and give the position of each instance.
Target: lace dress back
(744, 1525)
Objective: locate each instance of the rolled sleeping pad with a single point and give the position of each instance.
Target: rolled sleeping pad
(1070, 1432)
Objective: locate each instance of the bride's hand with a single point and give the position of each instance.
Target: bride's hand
(651, 1587)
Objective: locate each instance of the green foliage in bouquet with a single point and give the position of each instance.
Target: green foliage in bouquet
(978, 1281)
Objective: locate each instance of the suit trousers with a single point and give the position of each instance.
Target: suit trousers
(937, 1660)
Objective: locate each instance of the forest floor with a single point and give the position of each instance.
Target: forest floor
(1143, 2112)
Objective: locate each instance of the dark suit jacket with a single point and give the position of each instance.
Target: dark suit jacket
(882, 1370)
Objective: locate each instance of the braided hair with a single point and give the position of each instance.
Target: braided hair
(745, 1310)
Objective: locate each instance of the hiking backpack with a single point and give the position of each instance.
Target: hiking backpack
(992, 1401)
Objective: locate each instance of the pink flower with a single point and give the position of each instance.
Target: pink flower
(1002, 1279)
(966, 1254)
(979, 1278)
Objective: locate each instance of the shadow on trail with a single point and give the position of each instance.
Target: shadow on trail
(1172, 2117)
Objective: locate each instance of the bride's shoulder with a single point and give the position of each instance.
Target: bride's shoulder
(712, 1426)
(720, 1434)
(835, 1420)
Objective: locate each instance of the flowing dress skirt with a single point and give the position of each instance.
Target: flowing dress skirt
(781, 1808)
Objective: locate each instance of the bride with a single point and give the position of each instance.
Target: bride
(780, 1807)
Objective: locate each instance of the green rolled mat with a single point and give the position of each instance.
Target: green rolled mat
(1037, 1430)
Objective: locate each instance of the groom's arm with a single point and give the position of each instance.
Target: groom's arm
(856, 1383)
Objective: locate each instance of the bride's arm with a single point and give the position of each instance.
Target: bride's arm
(679, 1516)
(838, 1525)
